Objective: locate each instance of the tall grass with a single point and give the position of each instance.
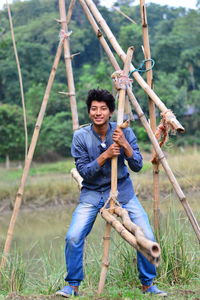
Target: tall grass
(44, 274)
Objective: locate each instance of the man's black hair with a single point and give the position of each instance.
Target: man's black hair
(100, 95)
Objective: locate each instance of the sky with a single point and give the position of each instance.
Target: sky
(174, 3)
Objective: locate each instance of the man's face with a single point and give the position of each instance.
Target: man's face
(99, 113)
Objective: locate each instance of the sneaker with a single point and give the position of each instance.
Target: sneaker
(67, 292)
(155, 291)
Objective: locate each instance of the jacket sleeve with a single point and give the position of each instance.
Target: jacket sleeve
(135, 162)
(86, 168)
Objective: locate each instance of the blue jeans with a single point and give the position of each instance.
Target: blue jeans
(82, 222)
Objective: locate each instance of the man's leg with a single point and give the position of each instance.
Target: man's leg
(82, 221)
(147, 271)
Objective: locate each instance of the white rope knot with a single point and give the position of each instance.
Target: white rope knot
(121, 81)
(64, 35)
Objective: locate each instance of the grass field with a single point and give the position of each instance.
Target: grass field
(32, 274)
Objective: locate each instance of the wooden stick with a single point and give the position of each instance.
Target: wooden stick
(68, 65)
(20, 192)
(152, 113)
(20, 79)
(157, 148)
(175, 123)
(120, 116)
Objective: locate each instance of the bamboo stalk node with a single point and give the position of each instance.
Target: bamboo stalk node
(64, 35)
(71, 56)
(120, 80)
(60, 21)
(99, 33)
(105, 264)
(106, 238)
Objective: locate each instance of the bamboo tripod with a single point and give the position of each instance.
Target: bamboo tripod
(92, 13)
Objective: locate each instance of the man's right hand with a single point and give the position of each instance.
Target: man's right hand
(112, 151)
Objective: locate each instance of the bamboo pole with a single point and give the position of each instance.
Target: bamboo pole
(70, 10)
(157, 148)
(151, 252)
(20, 79)
(99, 35)
(68, 65)
(120, 116)
(152, 113)
(148, 246)
(20, 192)
(173, 121)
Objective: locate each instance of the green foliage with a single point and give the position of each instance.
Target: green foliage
(175, 50)
(11, 131)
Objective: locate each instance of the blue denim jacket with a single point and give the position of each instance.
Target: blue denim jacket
(86, 148)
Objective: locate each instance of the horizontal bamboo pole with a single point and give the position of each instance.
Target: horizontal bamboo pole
(173, 121)
(77, 177)
(152, 247)
(127, 236)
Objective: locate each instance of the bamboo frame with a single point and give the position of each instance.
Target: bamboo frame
(152, 113)
(97, 15)
(154, 141)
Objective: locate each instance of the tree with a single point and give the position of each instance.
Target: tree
(12, 142)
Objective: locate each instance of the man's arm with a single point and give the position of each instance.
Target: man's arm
(84, 165)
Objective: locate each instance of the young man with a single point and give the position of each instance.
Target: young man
(93, 148)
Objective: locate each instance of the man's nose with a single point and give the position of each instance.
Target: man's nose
(98, 112)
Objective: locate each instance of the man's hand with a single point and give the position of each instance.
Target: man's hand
(119, 138)
(113, 150)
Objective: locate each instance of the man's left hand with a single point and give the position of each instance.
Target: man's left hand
(119, 138)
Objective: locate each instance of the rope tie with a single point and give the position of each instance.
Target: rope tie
(163, 130)
(112, 196)
(64, 35)
(142, 67)
(120, 80)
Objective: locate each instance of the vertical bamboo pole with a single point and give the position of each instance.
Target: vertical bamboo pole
(20, 79)
(120, 116)
(157, 149)
(31, 150)
(152, 113)
(68, 65)
(176, 124)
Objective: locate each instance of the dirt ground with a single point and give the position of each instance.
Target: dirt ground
(177, 294)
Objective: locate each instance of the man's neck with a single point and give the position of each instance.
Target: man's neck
(101, 130)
